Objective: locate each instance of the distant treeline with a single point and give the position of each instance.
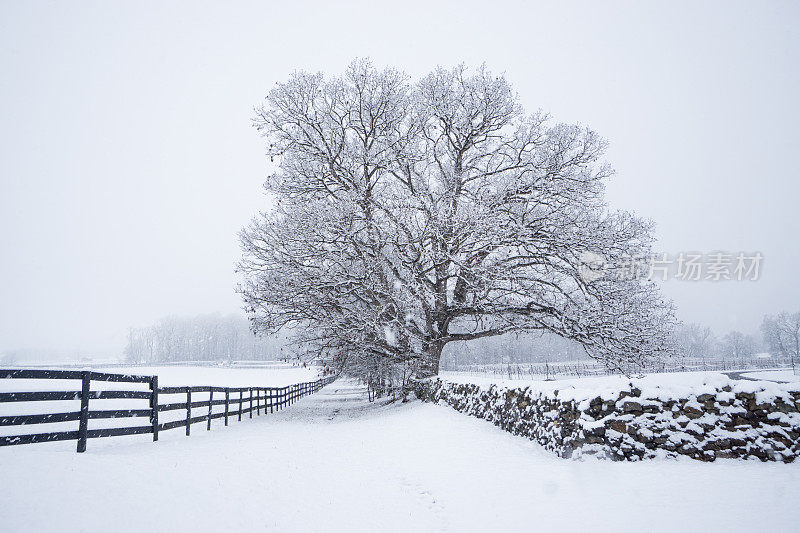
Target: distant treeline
(224, 338)
(511, 349)
(779, 337)
(201, 338)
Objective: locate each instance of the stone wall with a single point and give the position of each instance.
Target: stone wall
(730, 420)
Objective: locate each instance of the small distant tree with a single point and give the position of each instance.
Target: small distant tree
(139, 348)
(782, 335)
(737, 345)
(695, 340)
(410, 216)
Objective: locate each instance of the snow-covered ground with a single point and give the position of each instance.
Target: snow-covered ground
(333, 462)
(277, 375)
(776, 375)
(673, 384)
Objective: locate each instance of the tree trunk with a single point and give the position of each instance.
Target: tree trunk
(429, 364)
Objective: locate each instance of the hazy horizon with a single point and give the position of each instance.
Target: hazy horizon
(128, 161)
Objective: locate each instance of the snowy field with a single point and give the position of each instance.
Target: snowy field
(333, 462)
(775, 375)
(272, 375)
(589, 387)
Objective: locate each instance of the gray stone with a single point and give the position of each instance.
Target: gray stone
(692, 412)
(631, 407)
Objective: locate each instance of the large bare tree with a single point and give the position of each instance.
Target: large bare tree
(410, 215)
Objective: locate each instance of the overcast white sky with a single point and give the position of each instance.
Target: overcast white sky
(128, 163)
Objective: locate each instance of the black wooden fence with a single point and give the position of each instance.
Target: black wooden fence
(238, 401)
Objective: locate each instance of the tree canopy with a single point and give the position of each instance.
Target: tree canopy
(408, 215)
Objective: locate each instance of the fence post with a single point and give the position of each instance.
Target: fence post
(227, 401)
(188, 410)
(258, 401)
(251, 402)
(271, 401)
(83, 424)
(210, 399)
(241, 393)
(154, 406)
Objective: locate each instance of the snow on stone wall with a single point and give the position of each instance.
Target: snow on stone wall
(730, 419)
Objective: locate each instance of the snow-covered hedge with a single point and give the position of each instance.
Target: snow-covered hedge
(723, 418)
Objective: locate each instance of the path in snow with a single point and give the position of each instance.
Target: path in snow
(335, 462)
(741, 375)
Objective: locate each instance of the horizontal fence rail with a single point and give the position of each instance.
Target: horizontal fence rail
(237, 401)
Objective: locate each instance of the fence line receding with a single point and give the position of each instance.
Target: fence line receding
(237, 401)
